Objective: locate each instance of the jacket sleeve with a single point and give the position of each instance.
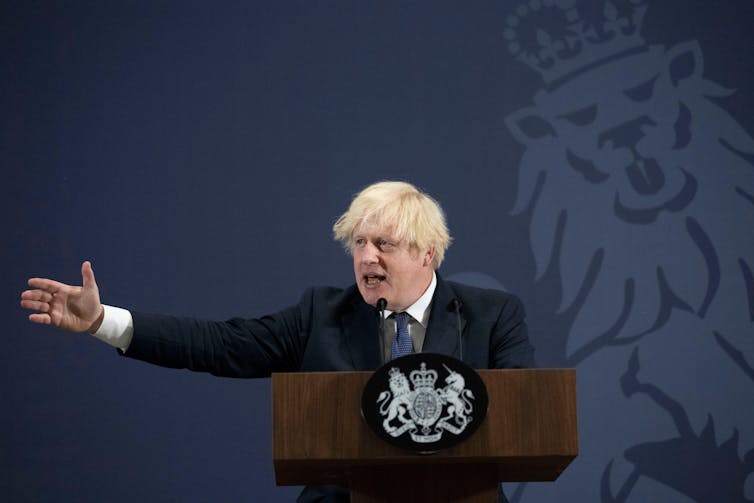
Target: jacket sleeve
(234, 348)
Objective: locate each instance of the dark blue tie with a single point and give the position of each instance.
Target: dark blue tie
(402, 344)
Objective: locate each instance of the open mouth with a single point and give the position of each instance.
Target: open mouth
(646, 176)
(645, 208)
(373, 279)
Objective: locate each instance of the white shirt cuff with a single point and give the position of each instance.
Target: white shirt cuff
(117, 327)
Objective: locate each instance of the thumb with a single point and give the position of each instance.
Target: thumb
(87, 275)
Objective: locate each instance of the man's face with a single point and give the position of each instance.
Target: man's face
(385, 268)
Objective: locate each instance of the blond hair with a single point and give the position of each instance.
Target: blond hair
(411, 216)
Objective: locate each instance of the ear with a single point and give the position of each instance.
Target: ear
(685, 62)
(429, 257)
(528, 126)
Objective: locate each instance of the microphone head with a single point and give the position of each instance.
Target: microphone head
(381, 304)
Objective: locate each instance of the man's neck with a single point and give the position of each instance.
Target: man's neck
(420, 309)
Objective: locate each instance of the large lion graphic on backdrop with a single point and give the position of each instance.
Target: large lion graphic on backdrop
(641, 195)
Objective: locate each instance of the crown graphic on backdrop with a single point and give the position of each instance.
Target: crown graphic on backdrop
(557, 39)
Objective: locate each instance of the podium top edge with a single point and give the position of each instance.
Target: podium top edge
(338, 372)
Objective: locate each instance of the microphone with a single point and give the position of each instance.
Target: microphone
(457, 308)
(381, 305)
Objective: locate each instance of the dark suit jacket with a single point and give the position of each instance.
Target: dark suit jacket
(334, 329)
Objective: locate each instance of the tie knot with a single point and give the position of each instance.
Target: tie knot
(402, 319)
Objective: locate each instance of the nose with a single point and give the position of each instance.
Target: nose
(370, 253)
(626, 134)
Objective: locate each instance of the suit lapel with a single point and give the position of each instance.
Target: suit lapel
(361, 335)
(442, 329)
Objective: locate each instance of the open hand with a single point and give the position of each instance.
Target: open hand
(73, 308)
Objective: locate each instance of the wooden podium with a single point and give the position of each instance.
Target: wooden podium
(319, 437)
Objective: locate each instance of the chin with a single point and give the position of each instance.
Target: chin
(371, 296)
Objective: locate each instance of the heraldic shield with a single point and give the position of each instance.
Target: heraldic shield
(424, 402)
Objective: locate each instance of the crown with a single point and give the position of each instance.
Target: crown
(556, 39)
(423, 378)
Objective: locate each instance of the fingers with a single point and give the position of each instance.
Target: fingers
(36, 295)
(36, 300)
(35, 305)
(43, 319)
(47, 285)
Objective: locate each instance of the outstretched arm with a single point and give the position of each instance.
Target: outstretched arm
(73, 308)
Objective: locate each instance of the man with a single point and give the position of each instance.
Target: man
(397, 237)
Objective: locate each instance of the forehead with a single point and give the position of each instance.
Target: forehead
(372, 228)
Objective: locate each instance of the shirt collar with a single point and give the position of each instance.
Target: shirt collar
(420, 309)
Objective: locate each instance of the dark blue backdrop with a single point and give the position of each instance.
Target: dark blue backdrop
(199, 152)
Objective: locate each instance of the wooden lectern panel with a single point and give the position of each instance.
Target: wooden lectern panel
(319, 436)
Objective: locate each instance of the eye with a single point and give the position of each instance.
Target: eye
(582, 117)
(642, 92)
(534, 128)
(385, 245)
(359, 242)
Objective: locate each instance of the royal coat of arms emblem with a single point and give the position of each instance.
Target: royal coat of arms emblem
(424, 402)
